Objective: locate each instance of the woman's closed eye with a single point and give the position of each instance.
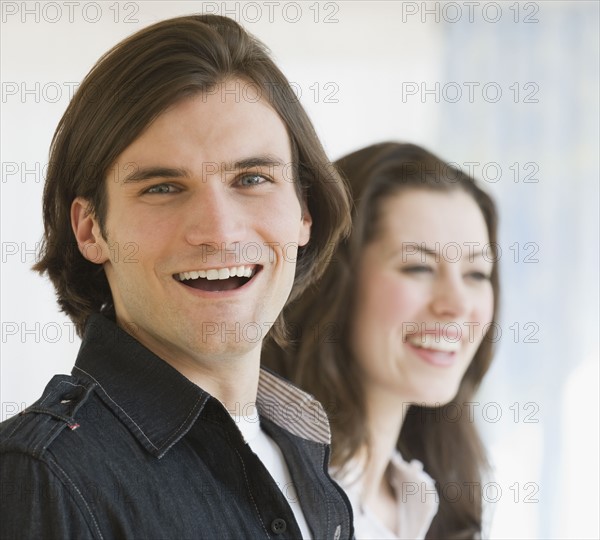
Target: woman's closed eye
(478, 276)
(417, 269)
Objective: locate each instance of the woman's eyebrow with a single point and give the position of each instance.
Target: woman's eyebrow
(412, 248)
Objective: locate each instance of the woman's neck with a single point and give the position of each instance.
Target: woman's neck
(385, 416)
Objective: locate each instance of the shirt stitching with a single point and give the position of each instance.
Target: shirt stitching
(18, 423)
(59, 383)
(328, 505)
(34, 450)
(80, 495)
(21, 420)
(72, 384)
(49, 394)
(249, 490)
(118, 406)
(333, 490)
(174, 435)
(57, 427)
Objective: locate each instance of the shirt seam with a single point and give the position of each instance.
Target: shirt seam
(167, 444)
(172, 437)
(57, 427)
(49, 435)
(49, 464)
(246, 481)
(55, 463)
(17, 425)
(329, 525)
(118, 406)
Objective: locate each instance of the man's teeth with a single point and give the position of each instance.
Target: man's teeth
(434, 342)
(218, 273)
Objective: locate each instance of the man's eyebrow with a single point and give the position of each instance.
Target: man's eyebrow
(262, 160)
(146, 173)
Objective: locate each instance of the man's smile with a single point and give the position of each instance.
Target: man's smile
(218, 279)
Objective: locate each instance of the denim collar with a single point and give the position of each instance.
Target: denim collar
(159, 405)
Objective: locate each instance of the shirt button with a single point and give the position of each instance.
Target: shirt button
(278, 526)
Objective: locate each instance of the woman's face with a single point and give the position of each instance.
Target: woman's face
(424, 298)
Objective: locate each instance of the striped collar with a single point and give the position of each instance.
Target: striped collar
(291, 408)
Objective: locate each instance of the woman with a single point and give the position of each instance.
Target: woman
(394, 343)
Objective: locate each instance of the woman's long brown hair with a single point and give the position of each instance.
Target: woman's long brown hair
(319, 358)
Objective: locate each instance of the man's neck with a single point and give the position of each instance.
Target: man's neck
(233, 381)
(232, 378)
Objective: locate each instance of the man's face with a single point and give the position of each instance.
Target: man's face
(202, 229)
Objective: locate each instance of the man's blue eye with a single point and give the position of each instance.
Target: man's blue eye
(252, 180)
(160, 188)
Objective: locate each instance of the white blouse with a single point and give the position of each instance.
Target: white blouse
(416, 498)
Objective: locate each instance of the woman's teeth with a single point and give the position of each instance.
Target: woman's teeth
(434, 342)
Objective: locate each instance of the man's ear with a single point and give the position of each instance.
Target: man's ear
(305, 227)
(87, 232)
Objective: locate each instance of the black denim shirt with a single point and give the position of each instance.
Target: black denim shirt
(127, 447)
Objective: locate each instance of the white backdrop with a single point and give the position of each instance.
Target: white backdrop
(508, 90)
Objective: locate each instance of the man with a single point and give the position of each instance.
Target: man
(187, 200)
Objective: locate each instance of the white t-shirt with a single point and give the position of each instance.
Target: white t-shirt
(270, 454)
(417, 500)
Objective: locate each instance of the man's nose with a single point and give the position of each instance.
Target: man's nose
(214, 216)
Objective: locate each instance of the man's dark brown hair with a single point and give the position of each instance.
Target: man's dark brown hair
(124, 92)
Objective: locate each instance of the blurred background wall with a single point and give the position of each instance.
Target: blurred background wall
(506, 90)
